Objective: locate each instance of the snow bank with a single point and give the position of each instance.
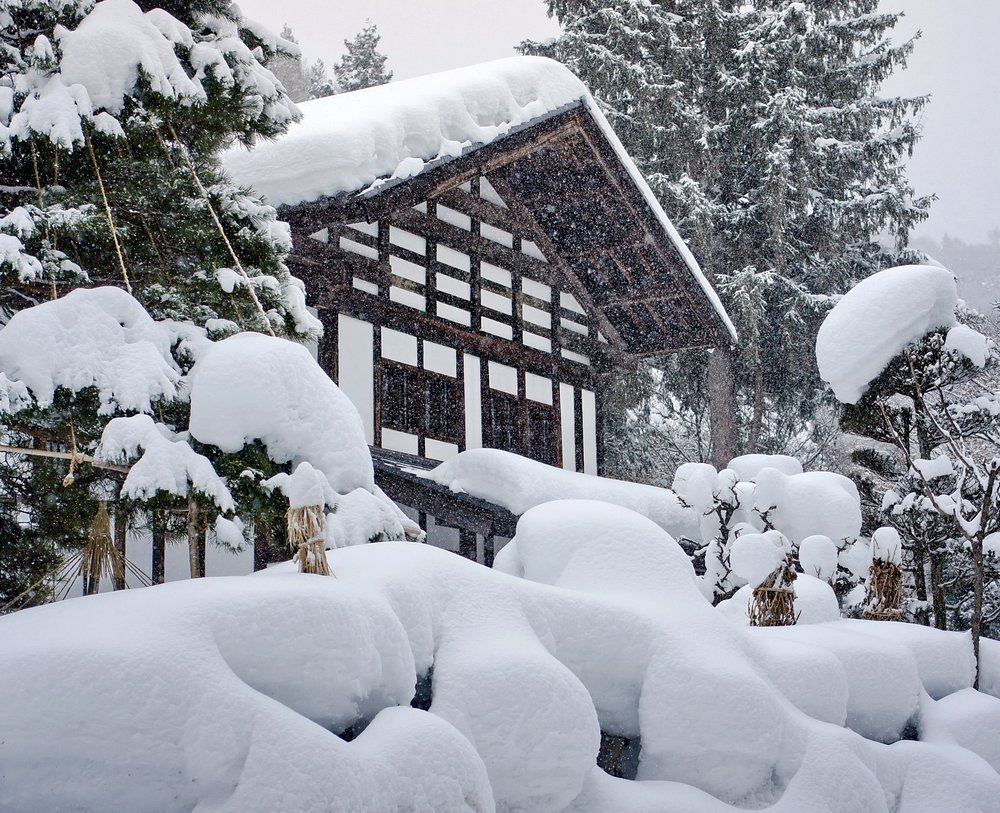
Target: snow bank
(228, 693)
(98, 337)
(517, 484)
(876, 319)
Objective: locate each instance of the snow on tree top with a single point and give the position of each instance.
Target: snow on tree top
(359, 140)
(876, 319)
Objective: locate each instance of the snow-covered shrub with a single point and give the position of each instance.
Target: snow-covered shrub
(909, 374)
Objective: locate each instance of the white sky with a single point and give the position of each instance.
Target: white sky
(957, 61)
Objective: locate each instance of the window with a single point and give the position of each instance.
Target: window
(500, 426)
(541, 434)
(421, 403)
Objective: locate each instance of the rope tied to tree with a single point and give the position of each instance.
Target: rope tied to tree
(100, 556)
(222, 232)
(107, 209)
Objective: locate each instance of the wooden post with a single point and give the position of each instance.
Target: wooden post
(722, 406)
(467, 544)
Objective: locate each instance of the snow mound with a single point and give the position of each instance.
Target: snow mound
(970, 343)
(748, 466)
(348, 141)
(598, 548)
(98, 337)
(818, 557)
(754, 557)
(255, 387)
(517, 484)
(804, 505)
(167, 463)
(876, 319)
(815, 602)
(114, 45)
(228, 693)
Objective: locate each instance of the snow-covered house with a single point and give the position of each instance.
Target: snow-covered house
(482, 252)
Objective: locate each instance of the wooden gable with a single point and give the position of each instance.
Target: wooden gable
(555, 185)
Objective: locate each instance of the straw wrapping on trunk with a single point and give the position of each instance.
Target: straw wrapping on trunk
(307, 537)
(884, 599)
(773, 602)
(100, 556)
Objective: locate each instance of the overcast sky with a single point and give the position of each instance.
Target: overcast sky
(957, 61)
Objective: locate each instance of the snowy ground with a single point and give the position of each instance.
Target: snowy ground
(229, 693)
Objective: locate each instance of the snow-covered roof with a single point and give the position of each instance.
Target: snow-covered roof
(359, 141)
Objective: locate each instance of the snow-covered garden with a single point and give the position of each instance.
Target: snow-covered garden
(749, 634)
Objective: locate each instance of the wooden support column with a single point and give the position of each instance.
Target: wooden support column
(489, 550)
(467, 544)
(328, 349)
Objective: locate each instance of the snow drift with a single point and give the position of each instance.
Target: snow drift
(228, 694)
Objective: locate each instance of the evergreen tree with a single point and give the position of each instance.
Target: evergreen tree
(320, 83)
(111, 122)
(760, 129)
(362, 66)
(289, 70)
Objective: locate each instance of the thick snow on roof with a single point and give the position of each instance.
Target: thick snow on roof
(876, 319)
(348, 142)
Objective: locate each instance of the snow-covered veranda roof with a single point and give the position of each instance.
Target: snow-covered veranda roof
(359, 152)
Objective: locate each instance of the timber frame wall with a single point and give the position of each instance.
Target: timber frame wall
(538, 253)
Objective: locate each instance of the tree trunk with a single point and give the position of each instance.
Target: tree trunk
(937, 590)
(757, 421)
(261, 546)
(121, 529)
(977, 598)
(159, 533)
(920, 582)
(722, 406)
(196, 541)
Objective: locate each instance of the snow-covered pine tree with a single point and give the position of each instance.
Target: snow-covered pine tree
(289, 69)
(301, 79)
(780, 165)
(320, 82)
(111, 121)
(362, 66)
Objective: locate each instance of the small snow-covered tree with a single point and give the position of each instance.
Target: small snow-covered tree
(909, 373)
(362, 65)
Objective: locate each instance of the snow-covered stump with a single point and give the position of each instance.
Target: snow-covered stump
(884, 590)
